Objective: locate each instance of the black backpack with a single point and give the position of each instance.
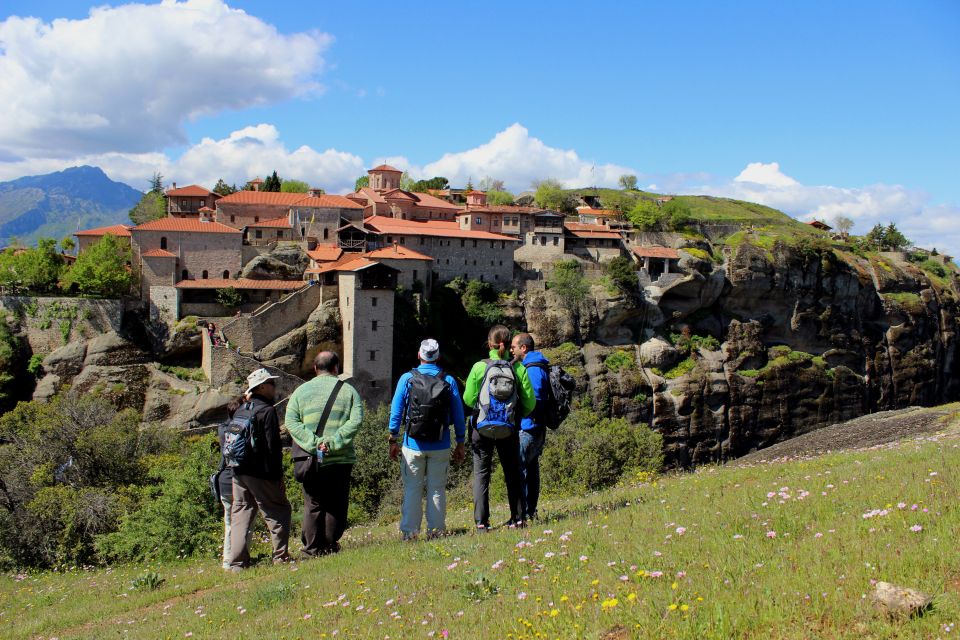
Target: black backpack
(428, 406)
(560, 388)
(239, 441)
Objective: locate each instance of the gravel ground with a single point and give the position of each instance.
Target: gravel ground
(865, 431)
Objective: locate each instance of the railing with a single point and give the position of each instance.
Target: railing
(351, 244)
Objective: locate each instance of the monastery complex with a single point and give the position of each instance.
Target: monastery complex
(356, 249)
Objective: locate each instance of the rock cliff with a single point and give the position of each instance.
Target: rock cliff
(772, 343)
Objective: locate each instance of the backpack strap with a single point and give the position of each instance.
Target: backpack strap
(326, 409)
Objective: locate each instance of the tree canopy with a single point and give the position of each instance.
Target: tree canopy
(361, 182)
(628, 182)
(103, 269)
(224, 189)
(35, 269)
(152, 206)
(887, 238)
(294, 186)
(568, 282)
(549, 194)
(437, 182)
(272, 183)
(497, 197)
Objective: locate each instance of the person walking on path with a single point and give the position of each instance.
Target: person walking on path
(258, 480)
(425, 404)
(533, 428)
(323, 416)
(484, 384)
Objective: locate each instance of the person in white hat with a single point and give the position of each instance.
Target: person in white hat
(258, 480)
(425, 404)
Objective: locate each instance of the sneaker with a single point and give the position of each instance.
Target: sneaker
(483, 528)
(516, 524)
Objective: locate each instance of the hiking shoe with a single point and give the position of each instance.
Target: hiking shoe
(408, 536)
(483, 528)
(516, 524)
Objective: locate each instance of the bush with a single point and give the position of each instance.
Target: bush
(680, 369)
(623, 275)
(68, 469)
(176, 515)
(375, 476)
(588, 453)
(565, 355)
(934, 267)
(620, 361)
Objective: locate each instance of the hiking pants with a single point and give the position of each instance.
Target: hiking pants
(424, 470)
(326, 498)
(249, 494)
(508, 450)
(531, 446)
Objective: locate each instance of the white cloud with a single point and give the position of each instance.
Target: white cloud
(924, 222)
(518, 159)
(124, 79)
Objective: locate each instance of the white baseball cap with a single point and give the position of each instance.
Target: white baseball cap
(257, 378)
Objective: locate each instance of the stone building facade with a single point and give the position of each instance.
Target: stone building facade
(366, 300)
(170, 250)
(188, 201)
(384, 197)
(414, 269)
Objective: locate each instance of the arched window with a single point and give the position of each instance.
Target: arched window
(163, 243)
(204, 274)
(184, 275)
(226, 274)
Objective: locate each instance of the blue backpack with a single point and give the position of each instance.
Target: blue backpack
(497, 403)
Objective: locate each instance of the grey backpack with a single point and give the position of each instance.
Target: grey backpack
(497, 403)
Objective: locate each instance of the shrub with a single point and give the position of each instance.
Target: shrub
(934, 267)
(35, 366)
(687, 342)
(620, 361)
(623, 275)
(588, 453)
(681, 368)
(229, 297)
(374, 476)
(565, 355)
(176, 514)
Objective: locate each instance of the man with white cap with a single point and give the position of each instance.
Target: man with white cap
(258, 480)
(425, 404)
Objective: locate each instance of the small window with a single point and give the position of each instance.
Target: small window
(226, 274)
(423, 241)
(479, 220)
(474, 243)
(326, 233)
(496, 277)
(463, 243)
(501, 263)
(279, 233)
(373, 384)
(348, 301)
(448, 260)
(492, 244)
(403, 240)
(259, 233)
(373, 355)
(414, 274)
(373, 325)
(256, 219)
(556, 242)
(348, 325)
(204, 274)
(184, 275)
(373, 301)
(233, 218)
(163, 243)
(474, 263)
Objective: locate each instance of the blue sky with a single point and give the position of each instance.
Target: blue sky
(858, 103)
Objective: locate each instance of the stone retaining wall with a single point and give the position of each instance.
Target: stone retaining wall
(50, 323)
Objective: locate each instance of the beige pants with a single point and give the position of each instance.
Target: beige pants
(249, 494)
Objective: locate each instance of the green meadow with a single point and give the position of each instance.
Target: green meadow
(786, 549)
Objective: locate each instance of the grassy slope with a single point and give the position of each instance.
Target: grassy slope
(586, 570)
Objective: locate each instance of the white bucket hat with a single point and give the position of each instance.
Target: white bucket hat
(257, 378)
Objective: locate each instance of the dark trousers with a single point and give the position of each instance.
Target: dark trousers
(326, 498)
(508, 450)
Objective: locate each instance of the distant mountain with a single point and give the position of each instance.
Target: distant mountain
(58, 204)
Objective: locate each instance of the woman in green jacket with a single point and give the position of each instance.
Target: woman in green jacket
(477, 395)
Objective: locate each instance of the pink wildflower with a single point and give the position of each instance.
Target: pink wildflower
(916, 528)
(771, 534)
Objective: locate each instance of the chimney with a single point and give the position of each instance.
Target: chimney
(315, 192)
(396, 249)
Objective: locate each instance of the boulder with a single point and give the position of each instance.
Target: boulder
(48, 386)
(900, 602)
(658, 353)
(67, 361)
(111, 349)
(125, 385)
(268, 268)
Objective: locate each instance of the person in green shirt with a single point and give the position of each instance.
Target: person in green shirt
(508, 449)
(326, 490)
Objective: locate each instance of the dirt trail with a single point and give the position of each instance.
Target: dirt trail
(866, 431)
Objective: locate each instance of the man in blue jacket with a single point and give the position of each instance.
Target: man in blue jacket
(533, 431)
(425, 408)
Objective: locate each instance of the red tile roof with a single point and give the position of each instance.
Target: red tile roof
(191, 190)
(158, 253)
(325, 253)
(283, 222)
(436, 228)
(116, 230)
(590, 231)
(242, 283)
(396, 252)
(398, 194)
(329, 202)
(655, 252)
(262, 197)
(188, 225)
(433, 202)
(385, 167)
(820, 225)
(599, 213)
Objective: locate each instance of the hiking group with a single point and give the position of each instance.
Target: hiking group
(513, 396)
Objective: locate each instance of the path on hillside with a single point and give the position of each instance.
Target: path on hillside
(866, 431)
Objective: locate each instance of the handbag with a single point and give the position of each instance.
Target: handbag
(305, 464)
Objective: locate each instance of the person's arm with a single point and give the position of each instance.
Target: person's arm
(456, 411)
(398, 405)
(343, 437)
(471, 390)
(271, 433)
(525, 393)
(300, 432)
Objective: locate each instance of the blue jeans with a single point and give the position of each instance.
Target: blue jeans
(424, 472)
(531, 446)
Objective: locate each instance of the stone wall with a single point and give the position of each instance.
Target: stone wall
(217, 254)
(226, 367)
(487, 260)
(367, 317)
(253, 332)
(50, 323)
(164, 304)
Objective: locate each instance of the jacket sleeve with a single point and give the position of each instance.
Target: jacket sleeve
(398, 404)
(471, 390)
(271, 432)
(527, 400)
(293, 420)
(456, 410)
(343, 437)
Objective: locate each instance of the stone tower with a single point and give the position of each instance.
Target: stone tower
(366, 296)
(384, 178)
